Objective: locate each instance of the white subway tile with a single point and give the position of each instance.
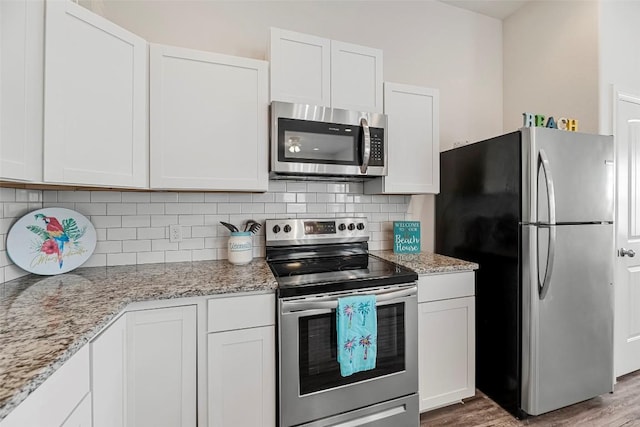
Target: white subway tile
(335, 207)
(285, 198)
(8, 195)
(191, 219)
(379, 217)
(163, 220)
(296, 187)
(239, 197)
(252, 208)
(203, 231)
(349, 207)
(152, 233)
(91, 208)
(121, 209)
(336, 188)
(15, 210)
(106, 221)
(101, 234)
(66, 205)
(74, 196)
(178, 208)
(371, 207)
(106, 196)
(12, 272)
(136, 221)
(396, 199)
(215, 219)
(164, 197)
(216, 197)
(135, 197)
(387, 207)
(150, 257)
(5, 224)
(177, 256)
(121, 259)
(205, 208)
(163, 245)
(354, 187)
(325, 197)
(108, 247)
(397, 217)
(121, 234)
(203, 254)
(276, 186)
(316, 187)
(221, 253)
(229, 208)
(402, 208)
(296, 208)
(136, 246)
(263, 197)
(2, 280)
(96, 260)
(316, 207)
(190, 197)
(306, 197)
(4, 259)
(22, 195)
(275, 208)
(373, 226)
(34, 196)
(193, 243)
(215, 242)
(344, 198)
(49, 196)
(379, 199)
(150, 208)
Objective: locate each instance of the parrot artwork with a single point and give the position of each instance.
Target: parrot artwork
(55, 235)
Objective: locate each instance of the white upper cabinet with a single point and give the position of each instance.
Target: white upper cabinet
(356, 77)
(313, 70)
(209, 121)
(300, 68)
(95, 126)
(413, 141)
(21, 89)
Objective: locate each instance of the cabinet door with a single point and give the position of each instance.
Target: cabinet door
(413, 141)
(241, 383)
(108, 374)
(95, 100)
(356, 77)
(81, 416)
(300, 68)
(161, 367)
(446, 351)
(21, 89)
(209, 121)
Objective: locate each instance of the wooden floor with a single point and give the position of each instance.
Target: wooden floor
(620, 408)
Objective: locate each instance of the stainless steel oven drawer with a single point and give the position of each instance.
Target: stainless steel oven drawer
(402, 412)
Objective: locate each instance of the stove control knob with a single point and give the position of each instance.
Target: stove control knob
(276, 229)
(351, 227)
(360, 226)
(287, 228)
(342, 227)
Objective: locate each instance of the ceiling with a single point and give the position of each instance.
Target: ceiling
(499, 9)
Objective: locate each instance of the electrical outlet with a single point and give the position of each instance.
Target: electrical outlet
(175, 233)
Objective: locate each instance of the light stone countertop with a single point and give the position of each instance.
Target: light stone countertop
(44, 320)
(427, 262)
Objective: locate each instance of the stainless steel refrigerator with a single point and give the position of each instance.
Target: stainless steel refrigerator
(534, 208)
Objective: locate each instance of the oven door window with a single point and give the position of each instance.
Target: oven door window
(300, 141)
(319, 368)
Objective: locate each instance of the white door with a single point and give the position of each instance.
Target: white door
(108, 369)
(209, 121)
(161, 367)
(242, 383)
(627, 279)
(21, 89)
(95, 124)
(356, 77)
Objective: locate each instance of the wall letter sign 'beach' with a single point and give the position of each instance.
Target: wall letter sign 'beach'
(537, 120)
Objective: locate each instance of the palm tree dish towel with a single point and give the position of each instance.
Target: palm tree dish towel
(357, 333)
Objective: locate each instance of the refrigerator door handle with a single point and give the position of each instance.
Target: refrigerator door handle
(546, 169)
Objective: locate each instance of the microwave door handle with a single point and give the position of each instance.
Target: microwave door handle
(366, 152)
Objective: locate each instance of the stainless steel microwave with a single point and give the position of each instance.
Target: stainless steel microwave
(309, 140)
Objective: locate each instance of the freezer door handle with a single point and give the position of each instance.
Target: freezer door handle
(543, 161)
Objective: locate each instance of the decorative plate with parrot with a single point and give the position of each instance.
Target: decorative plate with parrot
(51, 241)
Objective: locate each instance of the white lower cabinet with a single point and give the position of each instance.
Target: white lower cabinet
(58, 400)
(241, 379)
(446, 339)
(81, 416)
(144, 370)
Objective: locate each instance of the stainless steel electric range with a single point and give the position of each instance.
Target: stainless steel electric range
(317, 261)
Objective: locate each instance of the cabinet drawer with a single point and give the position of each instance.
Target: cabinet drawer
(239, 312)
(444, 286)
(55, 399)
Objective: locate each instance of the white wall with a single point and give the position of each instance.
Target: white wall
(425, 43)
(619, 54)
(551, 62)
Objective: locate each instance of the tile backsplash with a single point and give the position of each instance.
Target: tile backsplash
(133, 227)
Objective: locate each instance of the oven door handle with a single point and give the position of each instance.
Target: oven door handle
(332, 304)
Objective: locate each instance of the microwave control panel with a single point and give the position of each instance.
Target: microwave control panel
(377, 147)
